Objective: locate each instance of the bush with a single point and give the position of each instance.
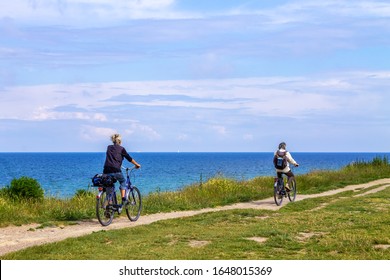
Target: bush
(25, 188)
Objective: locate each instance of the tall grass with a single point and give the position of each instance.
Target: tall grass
(216, 191)
(354, 173)
(50, 209)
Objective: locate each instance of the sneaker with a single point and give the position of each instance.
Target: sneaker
(288, 187)
(119, 208)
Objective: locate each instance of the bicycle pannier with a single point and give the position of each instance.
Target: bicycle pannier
(108, 180)
(97, 180)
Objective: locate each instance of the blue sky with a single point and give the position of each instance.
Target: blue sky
(195, 75)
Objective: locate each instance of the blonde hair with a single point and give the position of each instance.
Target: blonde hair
(116, 139)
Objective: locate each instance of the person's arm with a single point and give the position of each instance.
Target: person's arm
(130, 159)
(137, 165)
(291, 160)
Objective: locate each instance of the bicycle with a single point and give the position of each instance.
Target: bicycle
(280, 190)
(107, 202)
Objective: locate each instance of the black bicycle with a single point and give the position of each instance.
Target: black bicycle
(280, 190)
(107, 201)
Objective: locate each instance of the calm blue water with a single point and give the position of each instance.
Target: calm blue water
(61, 174)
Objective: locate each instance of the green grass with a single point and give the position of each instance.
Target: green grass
(346, 227)
(48, 210)
(217, 191)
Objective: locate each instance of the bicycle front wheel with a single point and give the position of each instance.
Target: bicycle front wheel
(104, 210)
(278, 197)
(293, 192)
(134, 204)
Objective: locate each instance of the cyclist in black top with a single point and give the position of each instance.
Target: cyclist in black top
(114, 158)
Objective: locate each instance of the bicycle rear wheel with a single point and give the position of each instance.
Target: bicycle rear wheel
(293, 192)
(134, 204)
(104, 209)
(278, 197)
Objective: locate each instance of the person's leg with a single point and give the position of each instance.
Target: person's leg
(289, 175)
(122, 181)
(280, 178)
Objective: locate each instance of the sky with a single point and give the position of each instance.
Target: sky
(195, 76)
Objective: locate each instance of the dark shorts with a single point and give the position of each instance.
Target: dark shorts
(289, 174)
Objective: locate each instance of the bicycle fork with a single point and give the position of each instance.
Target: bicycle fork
(130, 195)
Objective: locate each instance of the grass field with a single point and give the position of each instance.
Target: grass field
(215, 192)
(342, 226)
(337, 227)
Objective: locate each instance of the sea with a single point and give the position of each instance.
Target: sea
(62, 174)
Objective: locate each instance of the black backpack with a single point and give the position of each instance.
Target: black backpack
(100, 180)
(280, 160)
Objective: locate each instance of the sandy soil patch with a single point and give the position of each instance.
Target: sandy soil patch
(198, 243)
(382, 246)
(258, 239)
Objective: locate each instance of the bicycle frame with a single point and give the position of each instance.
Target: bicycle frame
(107, 202)
(280, 183)
(129, 186)
(111, 195)
(280, 190)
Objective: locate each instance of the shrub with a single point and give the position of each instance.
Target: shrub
(25, 188)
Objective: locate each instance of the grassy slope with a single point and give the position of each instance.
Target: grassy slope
(344, 227)
(216, 191)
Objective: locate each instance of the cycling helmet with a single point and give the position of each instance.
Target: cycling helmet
(282, 145)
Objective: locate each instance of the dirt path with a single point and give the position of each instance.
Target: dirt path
(14, 238)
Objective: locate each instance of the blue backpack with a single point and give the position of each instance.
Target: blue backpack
(280, 160)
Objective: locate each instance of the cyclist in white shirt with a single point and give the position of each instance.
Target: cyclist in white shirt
(282, 152)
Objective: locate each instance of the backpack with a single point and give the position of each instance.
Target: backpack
(280, 160)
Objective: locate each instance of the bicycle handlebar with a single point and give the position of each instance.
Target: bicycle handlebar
(129, 168)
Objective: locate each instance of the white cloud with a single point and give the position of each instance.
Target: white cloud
(86, 12)
(96, 134)
(182, 137)
(136, 129)
(248, 137)
(220, 129)
(44, 113)
(201, 112)
(274, 96)
(98, 12)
